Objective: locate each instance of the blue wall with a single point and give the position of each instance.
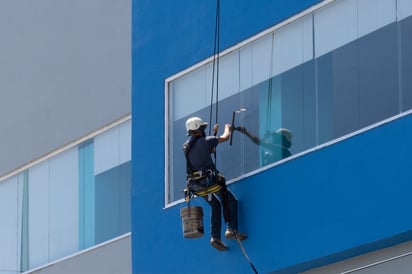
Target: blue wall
(336, 202)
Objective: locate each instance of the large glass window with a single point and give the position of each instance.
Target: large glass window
(68, 202)
(295, 78)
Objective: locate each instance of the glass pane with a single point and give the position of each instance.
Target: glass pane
(39, 196)
(378, 75)
(10, 201)
(64, 191)
(338, 93)
(112, 203)
(406, 62)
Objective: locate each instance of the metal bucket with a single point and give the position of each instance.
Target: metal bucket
(192, 221)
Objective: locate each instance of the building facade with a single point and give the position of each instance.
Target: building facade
(334, 73)
(65, 119)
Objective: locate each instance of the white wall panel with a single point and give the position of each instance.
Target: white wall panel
(404, 9)
(307, 28)
(335, 25)
(375, 14)
(9, 233)
(293, 45)
(112, 148)
(228, 75)
(255, 62)
(261, 59)
(245, 63)
(64, 201)
(39, 214)
(192, 91)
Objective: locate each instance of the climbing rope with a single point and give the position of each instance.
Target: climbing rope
(215, 67)
(244, 252)
(215, 71)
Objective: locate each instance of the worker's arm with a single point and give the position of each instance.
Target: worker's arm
(226, 134)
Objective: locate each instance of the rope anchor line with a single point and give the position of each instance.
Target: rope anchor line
(216, 67)
(244, 253)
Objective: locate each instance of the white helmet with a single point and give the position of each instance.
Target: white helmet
(195, 124)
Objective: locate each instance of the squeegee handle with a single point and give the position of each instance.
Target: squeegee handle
(233, 127)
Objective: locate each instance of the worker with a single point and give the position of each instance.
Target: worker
(275, 145)
(203, 175)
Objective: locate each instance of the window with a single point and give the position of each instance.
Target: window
(294, 78)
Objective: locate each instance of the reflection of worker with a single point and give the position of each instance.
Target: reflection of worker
(202, 176)
(276, 144)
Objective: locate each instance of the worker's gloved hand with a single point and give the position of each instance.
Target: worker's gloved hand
(215, 129)
(241, 129)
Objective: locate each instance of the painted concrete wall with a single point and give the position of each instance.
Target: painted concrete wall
(329, 205)
(64, 72)
(169, 36)
(334, 203)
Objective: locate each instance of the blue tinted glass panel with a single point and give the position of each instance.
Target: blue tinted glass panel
(86, 195)
(112, 203)
(378, 75)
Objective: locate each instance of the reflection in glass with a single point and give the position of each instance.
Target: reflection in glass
(275, 145)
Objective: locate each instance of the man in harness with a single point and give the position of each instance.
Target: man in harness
(203, 179)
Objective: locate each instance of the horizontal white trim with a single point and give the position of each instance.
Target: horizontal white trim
(124, 236)
(378, 263)
(65, 147)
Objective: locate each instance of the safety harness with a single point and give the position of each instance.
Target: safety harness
(200, 182)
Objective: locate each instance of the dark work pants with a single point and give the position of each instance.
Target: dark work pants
(226, 200)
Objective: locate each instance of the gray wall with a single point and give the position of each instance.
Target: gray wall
(396, 259)
(64, 72)
(110, 258)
